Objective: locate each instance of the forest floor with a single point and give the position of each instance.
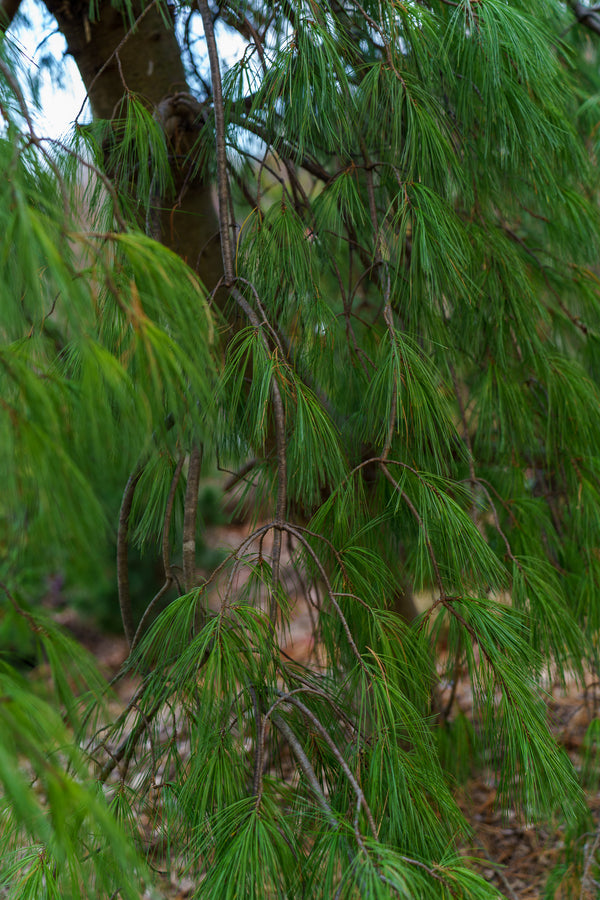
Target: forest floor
(524, 861)
(559, 861)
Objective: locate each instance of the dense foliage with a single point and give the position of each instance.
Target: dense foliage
(389, 334)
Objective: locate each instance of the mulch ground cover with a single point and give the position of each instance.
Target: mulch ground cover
(524, 861)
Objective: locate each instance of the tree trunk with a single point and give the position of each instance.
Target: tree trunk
(116, 58)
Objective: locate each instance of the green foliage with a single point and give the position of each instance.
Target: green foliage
(399, 372)
(58, 836)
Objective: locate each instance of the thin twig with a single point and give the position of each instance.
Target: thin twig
(108, 61)
(106, 181)
(307, 769)
(123, 555)
(362, 800)
(221, 147)
(35, 626)
(589, 16)
(189, 518)
(227, 250)
(330, 593)
(148, 611)
(421, 524)
(281, 450)
(165, 552)
(240, 475)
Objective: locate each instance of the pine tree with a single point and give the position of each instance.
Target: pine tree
(357, 269)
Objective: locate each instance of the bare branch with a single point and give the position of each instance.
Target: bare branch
(229, 277)
(240, 475)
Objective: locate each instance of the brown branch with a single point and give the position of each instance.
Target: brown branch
(362, 800)
(33, 138)
(229, 277)
(588, 16)
(330, 593)
(388, 314)
(281, 449)
(165, 553)
(123, 555)
(235, 556)
(307, 769)
(126, 748)
(189, 518)
(265, 321)
(281, 492)
(148, 612)
(221, 147)
(106, 181)
(421, 524)
(35, 626)
(284, 148)
(240, 475)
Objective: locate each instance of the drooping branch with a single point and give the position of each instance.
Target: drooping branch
(166, 553)
(421, 524)
(221, 148)
(330, 593)
(361, 799)
(114, 57)
(123, 555)
(306, 767)
(189, 518)
(227, 248)
(281, 449)
(285, 148)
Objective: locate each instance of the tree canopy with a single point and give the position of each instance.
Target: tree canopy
(357, 271)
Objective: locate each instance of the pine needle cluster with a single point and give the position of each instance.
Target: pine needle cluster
(398, 364)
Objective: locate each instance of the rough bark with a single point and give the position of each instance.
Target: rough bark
(116, 55)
